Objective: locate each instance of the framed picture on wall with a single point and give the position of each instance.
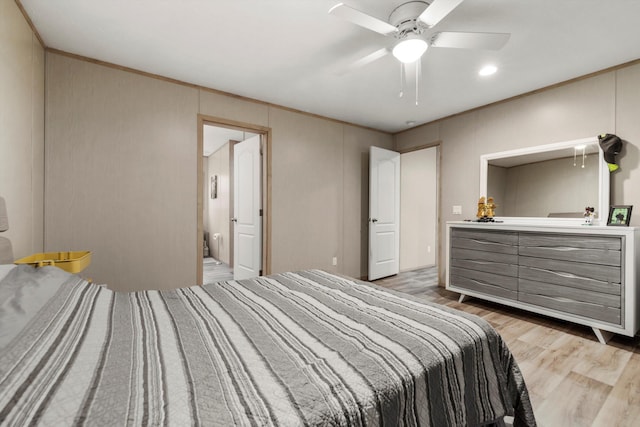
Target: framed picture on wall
(214, 186)
(619, 215)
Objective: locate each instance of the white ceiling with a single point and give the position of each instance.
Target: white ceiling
(291, 52)
(213, 138)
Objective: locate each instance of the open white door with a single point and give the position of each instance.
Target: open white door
(247, 220)
(384, 213)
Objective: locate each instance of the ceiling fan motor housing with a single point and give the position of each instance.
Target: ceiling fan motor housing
(405, 18)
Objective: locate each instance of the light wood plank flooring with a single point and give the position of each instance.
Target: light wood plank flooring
(215, 271)
(573, 380)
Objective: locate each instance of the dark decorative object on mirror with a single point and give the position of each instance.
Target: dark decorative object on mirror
(619, 215)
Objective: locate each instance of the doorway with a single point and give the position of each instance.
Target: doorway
(220, 201)
(419, 208)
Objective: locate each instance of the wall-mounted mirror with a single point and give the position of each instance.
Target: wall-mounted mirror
(553, 182)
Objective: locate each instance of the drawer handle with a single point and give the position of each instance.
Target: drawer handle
(567, 275)
(561, 273)
(558, 248)
(484, 242)
(480, 282)
(561, 299)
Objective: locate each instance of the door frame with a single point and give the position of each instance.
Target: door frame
(266, 187)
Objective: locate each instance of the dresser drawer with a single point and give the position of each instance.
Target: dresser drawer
(567, 293)
(470, 254)
(504, 237)
(590, 277)
(481, 286)
(586, 249)
(506, 282)
(484, 246)
(557, 298)
(486, 266)
(570, 240)
(503, 243)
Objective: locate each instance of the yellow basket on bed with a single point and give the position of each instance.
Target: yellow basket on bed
(72, 261)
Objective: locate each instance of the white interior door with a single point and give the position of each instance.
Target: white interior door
(247, 219)
(384, 213)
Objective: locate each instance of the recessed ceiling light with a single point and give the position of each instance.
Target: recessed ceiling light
(488, 70)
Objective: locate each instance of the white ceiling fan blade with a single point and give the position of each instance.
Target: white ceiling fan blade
(364, 61)
(461, 40)
(362, 19)
(437, 11)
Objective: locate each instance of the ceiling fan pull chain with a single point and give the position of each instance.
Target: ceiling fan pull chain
(401, 94)
(418, 71)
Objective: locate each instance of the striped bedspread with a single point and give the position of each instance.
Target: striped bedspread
(305, 348)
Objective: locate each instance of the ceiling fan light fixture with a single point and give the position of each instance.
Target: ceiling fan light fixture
(410, 50)
(488, 70)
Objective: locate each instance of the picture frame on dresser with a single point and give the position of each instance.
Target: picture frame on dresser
(619, 215)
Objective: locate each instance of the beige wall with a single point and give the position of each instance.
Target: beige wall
(21, 130)
(320, 193)
(121, 173)
(353, 259)
(218, 208)
(121, 176)
(418, 208)
(608, 102)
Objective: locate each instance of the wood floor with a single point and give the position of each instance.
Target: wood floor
(573, 380)
(215, 271)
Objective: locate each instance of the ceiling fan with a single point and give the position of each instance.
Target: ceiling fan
(407, 23)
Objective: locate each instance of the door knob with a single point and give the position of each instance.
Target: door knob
(234, 219)
(373, 219)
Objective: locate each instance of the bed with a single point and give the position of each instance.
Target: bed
(299, 348)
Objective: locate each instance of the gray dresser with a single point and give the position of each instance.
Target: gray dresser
(584, 274)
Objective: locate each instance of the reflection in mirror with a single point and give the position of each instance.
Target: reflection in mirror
(553, 188)
(552, 181)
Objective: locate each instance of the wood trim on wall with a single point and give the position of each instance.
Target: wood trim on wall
(200, 202)
(30, 23)
(266, 184)
(441, 261)
(522, 95)
(231, 198)
(421, 147)
(203, 88)
(306, 113)
(167, 79)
